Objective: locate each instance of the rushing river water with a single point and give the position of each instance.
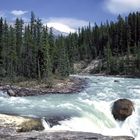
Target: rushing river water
(89, 110)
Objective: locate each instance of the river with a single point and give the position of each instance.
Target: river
(88, 111)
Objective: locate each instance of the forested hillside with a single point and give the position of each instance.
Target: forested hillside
(32, 51)
(117, 44)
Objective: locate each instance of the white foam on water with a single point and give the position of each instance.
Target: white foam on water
(75, 124)
(18, 100)
(101, 121)
(45, 124)
(3, 94)
(137, 90)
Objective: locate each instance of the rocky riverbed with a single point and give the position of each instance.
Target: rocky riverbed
(66, 135)
(66, 86)
(23, 128)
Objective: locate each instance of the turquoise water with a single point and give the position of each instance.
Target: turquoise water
(89, 111)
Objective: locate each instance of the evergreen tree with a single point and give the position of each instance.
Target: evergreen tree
(108, 58)
(1, 46)
(5, 48)
(12, 55)
(138, 57)
(63, 64)
(27, 54)
(39, 30)
(19, 43)
(47, 66)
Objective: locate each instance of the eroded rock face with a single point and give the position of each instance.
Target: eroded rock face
(122, 108)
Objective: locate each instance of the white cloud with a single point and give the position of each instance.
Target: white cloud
(65, 24)
(122, 6)
(61, 27)
(18, 12)
(72, 22)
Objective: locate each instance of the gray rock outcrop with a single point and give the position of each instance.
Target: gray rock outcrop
(64, 135)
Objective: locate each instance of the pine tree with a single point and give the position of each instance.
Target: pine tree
(33, 45)
(138, 57)
(72, 50)
(121, 31)
(27, 54)
(39, 30)
(19, 43)
(63, 63)
(47, 66)
(12, 55)
(52, 50)
(5, 47)
(1, 46)
(108, 58)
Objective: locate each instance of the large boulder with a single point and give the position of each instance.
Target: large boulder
(122, 108)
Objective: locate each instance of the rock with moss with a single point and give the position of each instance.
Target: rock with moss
(20, 124)
(32, 124)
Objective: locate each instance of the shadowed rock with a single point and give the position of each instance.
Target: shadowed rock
(122, 108)
(55, 120)
(10, 92)
(63, 135)
(117, 81)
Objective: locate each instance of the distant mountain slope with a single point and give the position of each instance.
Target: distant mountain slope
(57, 32)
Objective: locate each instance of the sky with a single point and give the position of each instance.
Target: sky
(68, 15)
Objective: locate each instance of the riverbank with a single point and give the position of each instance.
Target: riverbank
(109, 75)
(98, 67)
(34, 88)
(117, 75)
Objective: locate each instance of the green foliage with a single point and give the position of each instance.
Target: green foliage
(63, 60)
(32, 51)
(46, 66)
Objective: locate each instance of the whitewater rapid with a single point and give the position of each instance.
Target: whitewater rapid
(88, 111)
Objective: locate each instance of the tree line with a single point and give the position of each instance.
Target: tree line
(116, 43)
(32, 51)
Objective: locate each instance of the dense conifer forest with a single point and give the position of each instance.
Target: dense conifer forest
(33, 51)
